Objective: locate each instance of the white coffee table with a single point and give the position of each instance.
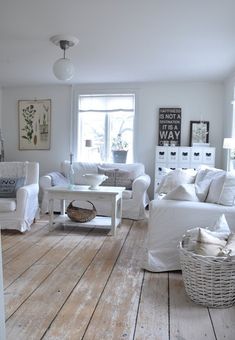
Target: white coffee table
(82, 192)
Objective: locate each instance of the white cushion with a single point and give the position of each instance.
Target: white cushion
(207, 244)
(230, 246)
(176, 178)
(184, 192)
(227, 196)
(216, 187)
(220, 230)
(203, 180)
(7, 204)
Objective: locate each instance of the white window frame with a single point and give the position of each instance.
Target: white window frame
(74, 127)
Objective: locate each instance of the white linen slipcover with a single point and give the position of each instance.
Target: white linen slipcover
(26, 207)
(169, 220)
(134, 201)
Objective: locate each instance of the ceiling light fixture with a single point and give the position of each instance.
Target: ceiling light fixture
(63, 68)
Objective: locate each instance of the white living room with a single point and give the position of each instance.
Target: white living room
(95, 246)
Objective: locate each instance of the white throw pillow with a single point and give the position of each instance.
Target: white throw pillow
(229, 249)
(176, 178)
(203, 180)
(227, 196)
(216, 187)
(184, 192)
(207, 244)
(220, 230)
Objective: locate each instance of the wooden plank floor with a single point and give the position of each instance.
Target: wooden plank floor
(77, 283)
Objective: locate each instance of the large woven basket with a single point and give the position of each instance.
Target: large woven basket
(81, 215)
(208, 280)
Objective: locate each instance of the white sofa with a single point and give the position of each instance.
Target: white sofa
(169, 219)
(20, 211)
(135, 199)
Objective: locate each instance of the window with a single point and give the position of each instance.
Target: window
(105, 125)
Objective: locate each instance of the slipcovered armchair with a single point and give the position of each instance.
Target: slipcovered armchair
(19, 190)
(132, 176)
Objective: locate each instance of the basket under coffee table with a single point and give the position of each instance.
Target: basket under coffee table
(83, 193)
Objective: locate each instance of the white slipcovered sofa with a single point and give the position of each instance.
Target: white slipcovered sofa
(19, 188)
(192, 203)
(132, 176)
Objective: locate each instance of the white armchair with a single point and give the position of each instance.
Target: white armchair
(20, 211)
(135, 198)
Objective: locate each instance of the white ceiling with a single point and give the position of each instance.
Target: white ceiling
(120, 40)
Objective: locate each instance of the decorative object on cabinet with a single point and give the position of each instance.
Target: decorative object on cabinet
(169, 126)
(199, 132)
(229, 144)
(183, 157)
(34, 124)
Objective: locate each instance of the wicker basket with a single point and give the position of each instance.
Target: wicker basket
(81, 215)
(208, 280)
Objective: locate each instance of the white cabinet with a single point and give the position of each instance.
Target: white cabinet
(183, 157)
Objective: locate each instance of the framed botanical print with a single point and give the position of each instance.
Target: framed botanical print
(199, 132)
(34, 124)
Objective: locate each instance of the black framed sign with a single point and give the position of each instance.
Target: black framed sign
(199, 132)
(169, 126)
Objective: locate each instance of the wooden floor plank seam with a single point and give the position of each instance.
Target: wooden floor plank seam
(58, 311)
(108, 279)
(212, 323)
(30, 245)
(49, 273)
(21, 236)
(38, 259)
(138, 308)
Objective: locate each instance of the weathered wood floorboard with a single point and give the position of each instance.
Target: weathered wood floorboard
(82, 284)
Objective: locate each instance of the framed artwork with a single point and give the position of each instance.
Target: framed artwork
(169, 126)
(34, 124)
(199, 132)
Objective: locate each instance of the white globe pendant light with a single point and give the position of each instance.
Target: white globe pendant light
(63, 68)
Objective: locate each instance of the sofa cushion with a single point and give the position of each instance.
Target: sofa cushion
(9, 186)
(203, 181)
(227, 196)
(134, 169)
(184, 192)
(175, 178)
(7, 204)
(116, 177)
(216, 187)
(111, 173)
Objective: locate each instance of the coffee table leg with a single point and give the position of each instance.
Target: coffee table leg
(114, 216)
(51, 213)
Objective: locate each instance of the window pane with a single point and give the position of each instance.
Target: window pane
(121, 125)
(105, 122)
(92, 137)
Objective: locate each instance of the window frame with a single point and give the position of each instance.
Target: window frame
(76, 92)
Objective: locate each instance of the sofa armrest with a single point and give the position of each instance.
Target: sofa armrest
(27, 198)
(140, 186)
(45, 182)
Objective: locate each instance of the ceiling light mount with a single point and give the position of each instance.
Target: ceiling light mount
(63, 68)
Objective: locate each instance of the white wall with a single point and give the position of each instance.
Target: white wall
(60, 122)
(196, 100)
(0, 106)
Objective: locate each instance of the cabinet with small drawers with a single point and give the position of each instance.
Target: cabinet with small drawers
(183, 157)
